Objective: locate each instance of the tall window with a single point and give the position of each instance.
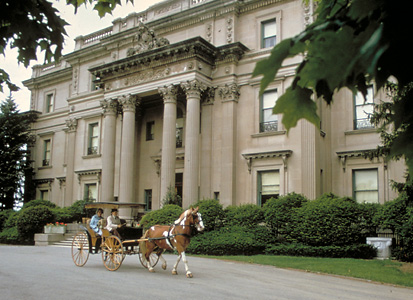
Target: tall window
(47, 152)
(148, 199)
(179, 128)
(268, 186)
(91, 192)
(150, 135)
(365, 186)
(93, 143)
(363, 109)
(268, 121)
(49, 102)
(268, 33)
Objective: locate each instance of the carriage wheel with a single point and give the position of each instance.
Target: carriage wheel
(80, 249)
(154, 258)
(112, 253)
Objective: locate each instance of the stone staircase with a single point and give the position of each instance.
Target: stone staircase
(57, 239)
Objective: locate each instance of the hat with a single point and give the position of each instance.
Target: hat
(114, 209)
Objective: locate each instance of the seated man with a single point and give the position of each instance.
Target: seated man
(114, 223)
(95, 221)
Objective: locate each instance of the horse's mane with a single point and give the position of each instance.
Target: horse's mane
(182, 216)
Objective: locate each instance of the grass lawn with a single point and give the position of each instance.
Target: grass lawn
(385, 271)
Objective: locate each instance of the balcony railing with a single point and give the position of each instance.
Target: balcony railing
(92, 150)
(269, 126)
(46, 162)
(363, 124)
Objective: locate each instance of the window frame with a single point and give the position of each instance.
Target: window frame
(356, 119)
(47, 153)
(92, 138)
(377, 190)
(273, 126)
(86, 190)
(262, 35)
(260, 186)
(148, 197)
(49, 100)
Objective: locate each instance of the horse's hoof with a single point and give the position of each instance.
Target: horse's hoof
(174, 272)
(164, 266)
(189, 275)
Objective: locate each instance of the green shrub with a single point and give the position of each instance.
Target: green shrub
(78, 211)
(31, 220)
(10, 236)
(166, 215)
(4, 215)
(235, 240)
(405, 233)
(247, 215)
(33, 203)
(212, 213)
(279, 213)
(362, 251)
(327, 221)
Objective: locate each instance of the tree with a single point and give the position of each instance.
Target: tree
(30, 25)
(350, 44)
(14, 137)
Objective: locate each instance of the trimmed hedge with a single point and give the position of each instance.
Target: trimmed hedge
(246, 215)
(212, 213)
(164, 216)
(31, 220)
(235, 240)
(361, 251)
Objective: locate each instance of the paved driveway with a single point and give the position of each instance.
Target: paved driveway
(49, 273)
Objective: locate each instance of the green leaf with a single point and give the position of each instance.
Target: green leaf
(296, 104)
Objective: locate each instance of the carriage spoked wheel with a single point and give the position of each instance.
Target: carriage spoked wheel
(80, 249)
(154, 258)
(112, 253)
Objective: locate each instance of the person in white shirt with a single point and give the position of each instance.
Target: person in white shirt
(114, 224)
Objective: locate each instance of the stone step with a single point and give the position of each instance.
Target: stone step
(66, 242)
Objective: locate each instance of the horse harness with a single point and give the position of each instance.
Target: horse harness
(170, 236)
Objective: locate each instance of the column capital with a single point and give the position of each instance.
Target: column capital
(71, 124)
(129, 102)
(169, 93)
(229, 92)
(109, 105)
(193, 88)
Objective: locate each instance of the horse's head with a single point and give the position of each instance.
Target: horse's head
(197, 219)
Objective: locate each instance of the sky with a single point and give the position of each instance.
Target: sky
(84, 22)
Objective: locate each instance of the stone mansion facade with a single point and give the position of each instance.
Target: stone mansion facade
(165, 99)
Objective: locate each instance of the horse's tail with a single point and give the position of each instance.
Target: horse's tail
(142, 244)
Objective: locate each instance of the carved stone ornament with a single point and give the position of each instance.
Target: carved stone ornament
(229, 92)
(193, 88)
(129, 102)
(109, 105)
(146, 40)
(169, 93)
(71, 124)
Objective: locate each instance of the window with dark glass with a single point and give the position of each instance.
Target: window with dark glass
(268, 33)
(90, 192)
(268, 121)
(150, 134)
(179, 128)
(148, 199)
(363, 109)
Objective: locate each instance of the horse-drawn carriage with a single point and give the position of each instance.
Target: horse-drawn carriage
(112, 248)
(149, 246)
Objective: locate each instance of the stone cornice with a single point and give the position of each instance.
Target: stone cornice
(191, 48)
(284, 154)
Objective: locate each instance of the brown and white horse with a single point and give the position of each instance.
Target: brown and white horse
(172, 237)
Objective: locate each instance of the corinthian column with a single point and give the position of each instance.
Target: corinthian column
(193, 90)
(169, 94)
(70, 160)
(126, 180)
(230, 94)
(110, 109)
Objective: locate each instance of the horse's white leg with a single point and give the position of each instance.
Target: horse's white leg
(163, 261)
(174, 272)
(188, 273)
